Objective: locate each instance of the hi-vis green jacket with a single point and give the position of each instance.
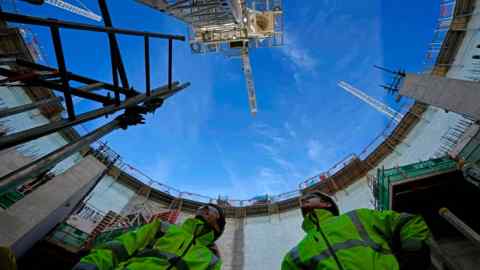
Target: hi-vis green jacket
(362, 239)
(158, 246)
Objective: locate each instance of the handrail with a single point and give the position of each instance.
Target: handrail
(12, 17)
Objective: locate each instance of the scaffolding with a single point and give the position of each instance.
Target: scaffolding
(382, 184)
(231, 27)
(227, 26)
(20, 70)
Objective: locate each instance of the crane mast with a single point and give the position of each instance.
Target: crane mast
(377, 105)
(247, 71)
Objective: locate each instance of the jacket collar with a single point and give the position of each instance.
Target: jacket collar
(201, 232)
(313, 219)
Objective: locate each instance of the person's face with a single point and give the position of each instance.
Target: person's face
(312, 201)
(210, 215)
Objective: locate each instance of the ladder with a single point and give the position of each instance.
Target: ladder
(109, 219)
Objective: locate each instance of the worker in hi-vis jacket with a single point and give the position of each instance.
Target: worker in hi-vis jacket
(162, 246)
(361, 239)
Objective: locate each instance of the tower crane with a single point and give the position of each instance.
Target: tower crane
(81, 11)
(377, 105)
(231, 27)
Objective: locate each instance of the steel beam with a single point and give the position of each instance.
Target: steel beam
(37, 132)
(55, 86)
(147, 65)
(92, 87)
(115, 54)
(114, 60)
(46, 163)
(76, 77)
(57, 44)
(28, 107)
(11, 17)
(170, 63)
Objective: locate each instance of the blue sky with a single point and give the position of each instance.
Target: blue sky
(204, 139)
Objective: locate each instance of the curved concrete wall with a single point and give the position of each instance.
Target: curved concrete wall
(261, 242)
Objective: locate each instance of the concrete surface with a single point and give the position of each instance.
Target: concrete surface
(31, 218)
(459, 96)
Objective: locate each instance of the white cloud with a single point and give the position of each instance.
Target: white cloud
(290, 130)
(270, 181)
(346, 61)
(300, 56)
(159, 170)
(237, 182)
(321, 154)
(314, 149)
(269, 133)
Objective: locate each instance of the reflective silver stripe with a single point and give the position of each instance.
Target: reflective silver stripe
(295, 255)
(313, 262)
(362, 231)
(118, 250)
(365, 242)
(173, 259)
(213, 262)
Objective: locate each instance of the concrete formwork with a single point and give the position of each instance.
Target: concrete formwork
(459, 96)
(31, 218)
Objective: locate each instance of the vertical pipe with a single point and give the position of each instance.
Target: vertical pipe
(170, 61)
(115, 74)
(57, 43)
(113, 42)
(147, 66)
(460, 226)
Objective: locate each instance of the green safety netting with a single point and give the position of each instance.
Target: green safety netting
(7, 199)
(471, 152)
(421, 169)
(69, 236)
